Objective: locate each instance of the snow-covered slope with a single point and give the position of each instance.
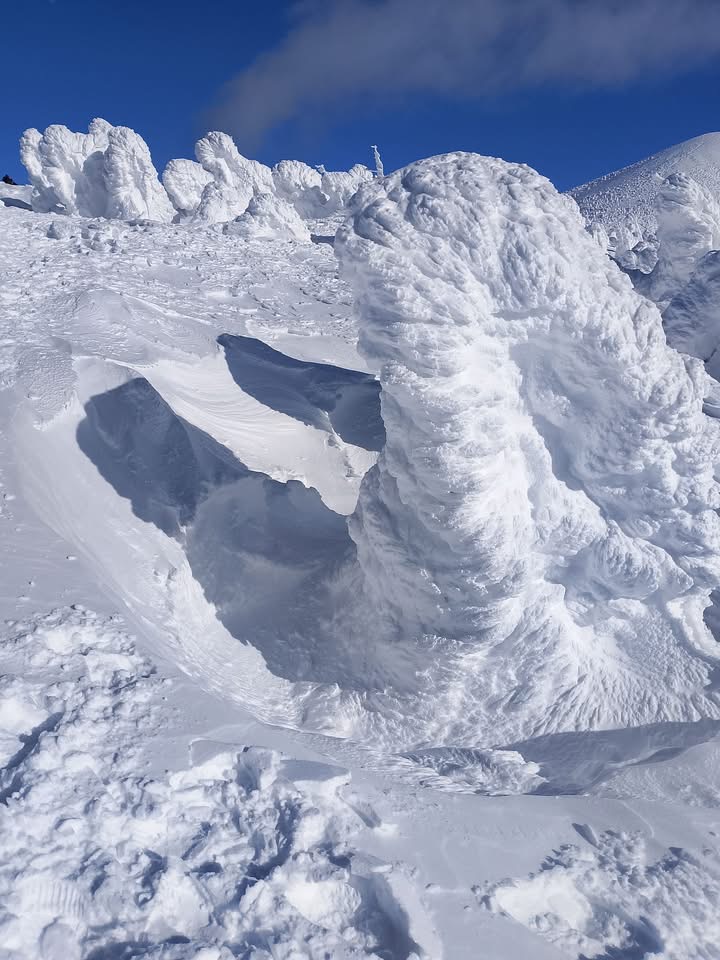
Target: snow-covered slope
(242, 715)
(623, 202)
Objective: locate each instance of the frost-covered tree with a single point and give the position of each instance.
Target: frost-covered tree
(544, 508)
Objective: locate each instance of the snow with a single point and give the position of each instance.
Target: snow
(269, 217)
(301, 186)
(356, 606)
(688, 228)
(185, 181)
(107, 172)
(546, 493)
(624, 201)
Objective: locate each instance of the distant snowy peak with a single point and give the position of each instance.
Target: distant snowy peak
(626, 199)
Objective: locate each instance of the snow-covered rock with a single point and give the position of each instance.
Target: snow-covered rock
(235, 179)
(545, 498)
(268, 217)
(185, 181)
(107, 172)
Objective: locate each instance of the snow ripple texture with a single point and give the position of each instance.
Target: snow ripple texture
(546, 495)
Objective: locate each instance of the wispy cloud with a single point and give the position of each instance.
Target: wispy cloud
(348, 48)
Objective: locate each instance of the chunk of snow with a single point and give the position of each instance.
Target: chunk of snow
(66, 168)
(692, 318)
(133, 189)
(339, 186)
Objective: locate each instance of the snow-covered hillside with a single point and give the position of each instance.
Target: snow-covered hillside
(624, 202)
(360, 564)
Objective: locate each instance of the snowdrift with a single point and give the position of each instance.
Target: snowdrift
(545, 501)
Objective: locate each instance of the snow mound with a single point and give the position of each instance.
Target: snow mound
(624, 201)
(610, 898)
(235, 179)
(268, 217)
(543, 509)
(688, 227)
(185, 181)
(107, 172)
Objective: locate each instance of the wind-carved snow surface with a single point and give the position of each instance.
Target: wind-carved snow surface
(611, 898)
(244, 853)
(545, 499)
(107, 172)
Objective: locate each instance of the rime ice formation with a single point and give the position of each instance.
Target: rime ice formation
(66, 168)
(688, 227)
(107, 172)
(268, 217)
(624, 201)
(301, 186)
(185, 181)
(131, 180)
(545, 499)
(340, 185)
(235, 179)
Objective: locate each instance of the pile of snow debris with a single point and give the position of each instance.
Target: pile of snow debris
(108, 172)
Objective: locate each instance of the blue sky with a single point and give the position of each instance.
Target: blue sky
(160, 66)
